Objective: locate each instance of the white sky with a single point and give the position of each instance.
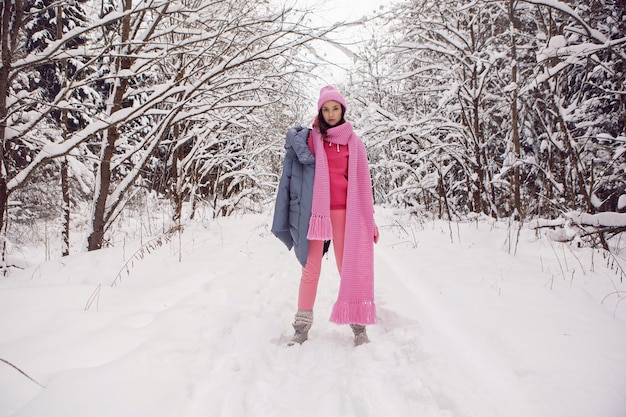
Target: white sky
(329, 12)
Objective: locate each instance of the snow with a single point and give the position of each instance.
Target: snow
(466, 328)
(595, 200)
(604, 219)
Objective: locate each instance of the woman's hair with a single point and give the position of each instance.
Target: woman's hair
(323, 126)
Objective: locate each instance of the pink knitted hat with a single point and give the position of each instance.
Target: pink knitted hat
(330, 93)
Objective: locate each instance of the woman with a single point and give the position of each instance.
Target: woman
(341, 210)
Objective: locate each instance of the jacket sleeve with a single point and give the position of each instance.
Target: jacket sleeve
(297, 138)
(280, 222)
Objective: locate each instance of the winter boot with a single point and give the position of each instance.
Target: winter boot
(302, 323)
(360, 334)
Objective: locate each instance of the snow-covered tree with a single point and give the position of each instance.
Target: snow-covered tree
(502, 107)
(443, 67)
(164, 72)
(580, 77)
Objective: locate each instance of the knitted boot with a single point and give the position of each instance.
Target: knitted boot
(360, 334)
(302, 323)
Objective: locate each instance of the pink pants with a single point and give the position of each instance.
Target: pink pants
(311, 271)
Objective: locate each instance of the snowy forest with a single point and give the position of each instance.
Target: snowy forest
(506, 109)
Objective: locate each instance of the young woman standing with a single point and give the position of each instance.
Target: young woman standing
(341, 211)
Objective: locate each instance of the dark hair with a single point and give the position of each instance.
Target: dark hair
(324, 126)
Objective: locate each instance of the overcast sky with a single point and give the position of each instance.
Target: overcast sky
(328, 12)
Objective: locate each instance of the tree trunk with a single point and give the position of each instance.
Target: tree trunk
(65, 188)
(65, 234)
(177, 174)
(515, 118)
(4, 88)
(12, 13)
(443, 196)
(96, 238)
(574, 157)
(111, 135)
(479, 192)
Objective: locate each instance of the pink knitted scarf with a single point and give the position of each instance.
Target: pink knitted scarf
(355, 302)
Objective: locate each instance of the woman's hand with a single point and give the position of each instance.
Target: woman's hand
(376, 235)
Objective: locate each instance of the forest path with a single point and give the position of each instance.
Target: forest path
(423, 359)
(245, 344)
(199, 328)
(472, 377)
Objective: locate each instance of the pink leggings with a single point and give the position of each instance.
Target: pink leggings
(311, 271)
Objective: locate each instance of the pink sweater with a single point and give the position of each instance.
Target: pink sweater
(337, 156)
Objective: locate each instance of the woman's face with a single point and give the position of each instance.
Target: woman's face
(331, 110)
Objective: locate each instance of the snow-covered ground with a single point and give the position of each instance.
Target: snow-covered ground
(198, 327)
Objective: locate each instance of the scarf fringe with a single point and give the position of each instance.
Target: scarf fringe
(320, 228)
(359, 312)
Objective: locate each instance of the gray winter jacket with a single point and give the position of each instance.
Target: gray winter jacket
(292, 209)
